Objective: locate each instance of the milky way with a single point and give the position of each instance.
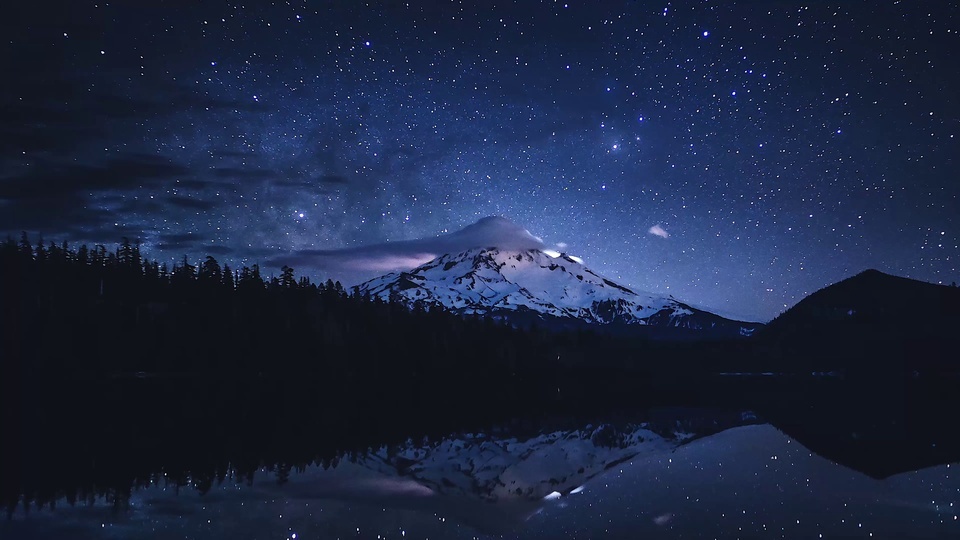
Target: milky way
(735, 155)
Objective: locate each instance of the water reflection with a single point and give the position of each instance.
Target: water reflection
(755, 482)
(747, 481)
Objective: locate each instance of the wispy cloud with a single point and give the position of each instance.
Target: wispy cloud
(353, 265)
(657, 230)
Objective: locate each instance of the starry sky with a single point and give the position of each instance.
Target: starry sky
(737, 155)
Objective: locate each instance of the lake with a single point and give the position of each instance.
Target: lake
(755, 459)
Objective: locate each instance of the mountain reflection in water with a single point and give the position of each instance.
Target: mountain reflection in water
(748, 481)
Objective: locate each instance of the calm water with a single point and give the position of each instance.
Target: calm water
(880, 469)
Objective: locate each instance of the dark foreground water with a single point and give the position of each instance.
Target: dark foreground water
(860, 467)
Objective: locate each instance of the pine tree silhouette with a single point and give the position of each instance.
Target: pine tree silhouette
(287, 280)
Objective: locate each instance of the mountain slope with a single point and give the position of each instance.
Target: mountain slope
(876, 296)
(871, 322)
(533, 285)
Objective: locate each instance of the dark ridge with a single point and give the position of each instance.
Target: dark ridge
(872, 294)
(869, 324)
(615, 286)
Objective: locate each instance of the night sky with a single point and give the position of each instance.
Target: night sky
(735, 155)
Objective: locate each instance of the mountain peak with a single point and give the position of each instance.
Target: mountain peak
(496, 222)
(525, 283)
(871, 273)
(495, 232)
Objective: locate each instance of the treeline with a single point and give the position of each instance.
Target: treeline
(116, 369)
(93, 312)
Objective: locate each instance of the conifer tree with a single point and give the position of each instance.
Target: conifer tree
(83, 255)
(25, 248)
(226, 277)
(287, 280)
(210, 270)
(40, 255)
(125, 253)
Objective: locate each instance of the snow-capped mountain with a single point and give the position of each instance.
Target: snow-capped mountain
(539, 285)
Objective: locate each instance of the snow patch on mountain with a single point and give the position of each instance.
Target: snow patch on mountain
(491, 279)
(503, 282)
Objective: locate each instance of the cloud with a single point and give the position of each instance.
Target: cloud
(663, 519)
(353, 265)
(387, 262)
(657, 230)
(219, 249)
(55, 196)
(177, 241)
(332, 179)
(79, 201)
(189, 203)
(56, 114)
(243, 173)
(50, 180)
